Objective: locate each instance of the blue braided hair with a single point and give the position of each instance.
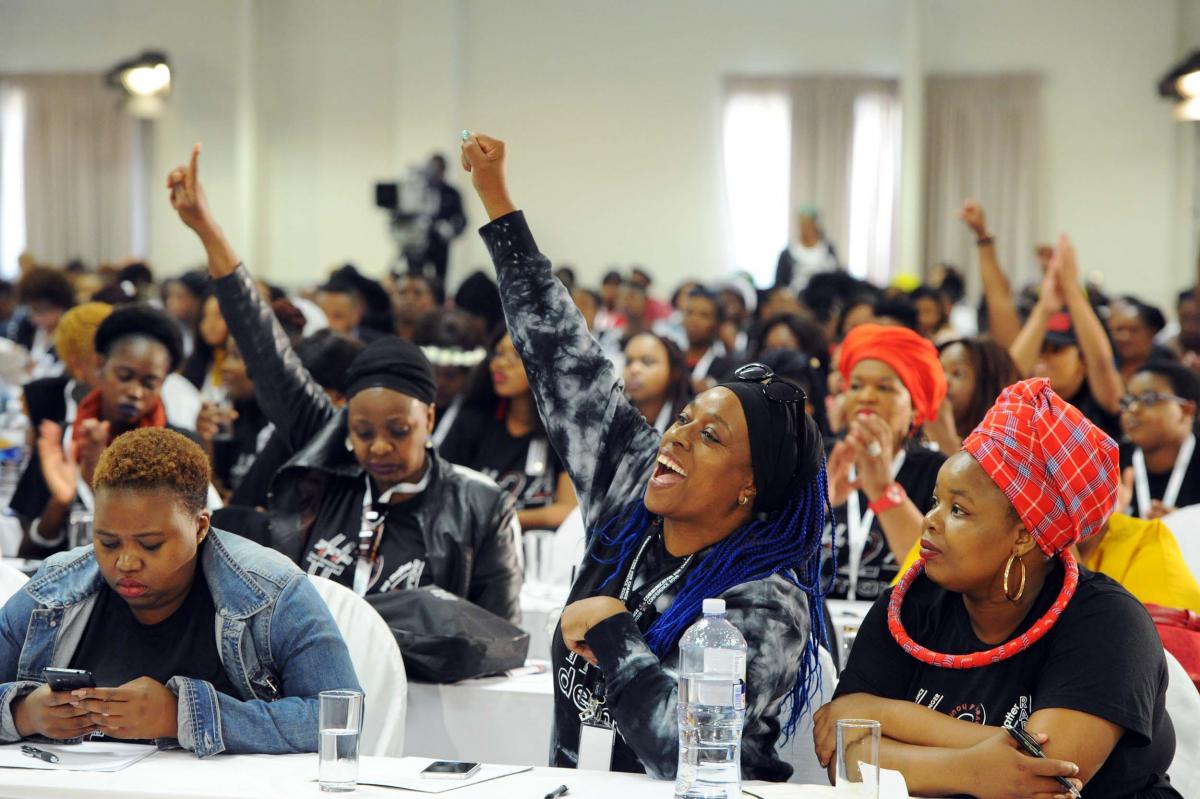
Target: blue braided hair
(787, 542)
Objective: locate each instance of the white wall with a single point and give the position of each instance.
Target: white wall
(611, 111)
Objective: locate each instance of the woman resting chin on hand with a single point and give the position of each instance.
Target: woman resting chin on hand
(145, 610)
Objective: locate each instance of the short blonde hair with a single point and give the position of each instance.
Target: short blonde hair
(75, 336)
(152, 458)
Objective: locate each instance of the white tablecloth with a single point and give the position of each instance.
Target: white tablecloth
(493, 720)
(179, 775)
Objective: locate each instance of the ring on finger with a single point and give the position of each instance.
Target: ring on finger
(874, 449)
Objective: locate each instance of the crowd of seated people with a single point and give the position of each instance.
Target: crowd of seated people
(915, 453)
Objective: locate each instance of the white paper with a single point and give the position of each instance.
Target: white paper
(891, 786)
(405, 773)
(86, 756)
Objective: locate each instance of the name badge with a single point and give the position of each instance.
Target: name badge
(595, 746)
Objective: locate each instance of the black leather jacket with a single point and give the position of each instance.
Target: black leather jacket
(466, 519)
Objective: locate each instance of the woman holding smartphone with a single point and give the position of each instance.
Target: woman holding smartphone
(196, 637)
(1032, 640)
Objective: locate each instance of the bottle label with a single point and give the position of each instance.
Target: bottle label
(739, 695)
(726, 662)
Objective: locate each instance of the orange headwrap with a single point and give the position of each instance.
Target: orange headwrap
(911, 357)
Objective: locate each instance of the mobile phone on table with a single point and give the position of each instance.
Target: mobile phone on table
(450, 770)
(68, 679)
(1030, 746)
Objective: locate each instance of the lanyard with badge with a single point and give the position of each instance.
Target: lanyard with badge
(370, 532)
(858, 525)
(1141, 479)
(596, 736)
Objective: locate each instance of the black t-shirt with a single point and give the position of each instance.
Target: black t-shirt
(1090, 408)
(1189, 491)
(399, 562)
(526, 467)
(117, 648)
(878, 566)
(1102, 657)
(254, 489)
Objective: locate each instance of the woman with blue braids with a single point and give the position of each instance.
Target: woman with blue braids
(730, 502)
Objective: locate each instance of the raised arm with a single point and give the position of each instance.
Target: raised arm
(606, 446)
(286, 392)
(1102, 375)
(1028, 344)
(1003, 321)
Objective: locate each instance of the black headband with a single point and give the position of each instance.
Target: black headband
(395, 364)
(785, 445)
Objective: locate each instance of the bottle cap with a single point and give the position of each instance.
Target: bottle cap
(714, 607)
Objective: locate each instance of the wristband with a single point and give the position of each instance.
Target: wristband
(892, 497)
(984, 241)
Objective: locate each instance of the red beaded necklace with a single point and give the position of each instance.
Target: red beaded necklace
(995, 654)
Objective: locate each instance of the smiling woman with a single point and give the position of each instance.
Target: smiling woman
(138, 611)
(729, 502)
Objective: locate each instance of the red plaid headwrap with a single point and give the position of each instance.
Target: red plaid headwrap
(1059, 471)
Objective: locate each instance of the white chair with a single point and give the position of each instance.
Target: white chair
(799, 751)
(11, 581)
(376, 658)
(1184, 524)
(1183, 705)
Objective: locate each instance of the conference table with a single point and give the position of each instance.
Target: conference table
(180, 775)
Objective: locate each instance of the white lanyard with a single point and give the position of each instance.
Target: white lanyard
(447, 421)
(372, 526)
(705, 363)
(658, 589)
(665, 418)
(858, 525)
(1142, 479)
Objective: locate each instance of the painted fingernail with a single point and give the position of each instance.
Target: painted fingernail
(466, 135)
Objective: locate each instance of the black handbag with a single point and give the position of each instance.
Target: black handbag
(445, 638)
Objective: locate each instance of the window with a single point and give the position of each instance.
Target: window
(12, 179)
(757, 141)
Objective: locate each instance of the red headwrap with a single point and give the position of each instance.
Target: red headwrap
(1057, 469)
(910, 356)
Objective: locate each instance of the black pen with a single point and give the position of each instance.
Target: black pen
(557, 792)
(1026, 742)
(40, 754)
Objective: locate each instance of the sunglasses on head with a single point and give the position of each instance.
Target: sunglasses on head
(774, 387)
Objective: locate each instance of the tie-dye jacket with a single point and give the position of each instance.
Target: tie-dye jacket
(609, 451)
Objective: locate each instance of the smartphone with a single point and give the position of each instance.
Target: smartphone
(450, 770)
(68, 679)
(1030, 746)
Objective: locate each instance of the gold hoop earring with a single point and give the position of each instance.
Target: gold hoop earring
(1021, 587)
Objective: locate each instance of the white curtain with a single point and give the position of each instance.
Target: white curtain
(874, 187)
(981, 143)
(78, 155)
(12, 179)
(756, 146)
(829, 142)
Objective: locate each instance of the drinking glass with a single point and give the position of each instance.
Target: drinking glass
(79, 528)
(858, 758)
(340, 723)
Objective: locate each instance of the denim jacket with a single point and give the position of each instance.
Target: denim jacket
(275, 637)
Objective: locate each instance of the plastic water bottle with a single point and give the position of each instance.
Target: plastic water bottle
(13, 427)
(712, 707)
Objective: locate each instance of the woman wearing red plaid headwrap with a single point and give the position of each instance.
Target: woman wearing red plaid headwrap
(997, 625)
(880, 480)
